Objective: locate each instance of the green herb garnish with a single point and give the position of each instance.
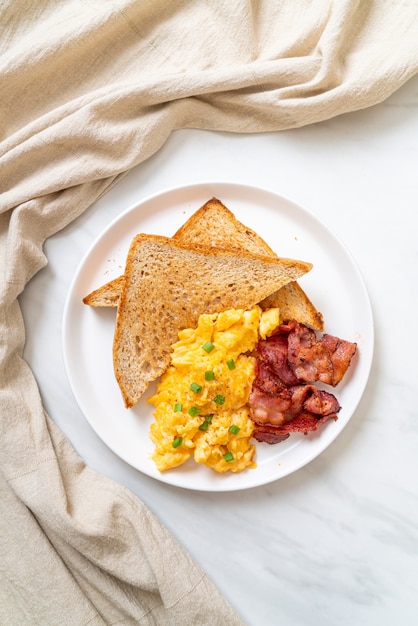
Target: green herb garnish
(205, 425)
(208, 346)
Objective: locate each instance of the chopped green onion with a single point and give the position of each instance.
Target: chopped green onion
(208, 346)
(228, 457)
(196, 387)
(178, 407)
(219, 399)
(231, 364)
(209, 375)
(234, 429)
(205, 425)
(193, 411)
(177, 442)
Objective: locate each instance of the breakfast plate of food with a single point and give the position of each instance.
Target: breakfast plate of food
(217, 336)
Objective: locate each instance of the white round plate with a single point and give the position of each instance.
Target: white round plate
(334, 285)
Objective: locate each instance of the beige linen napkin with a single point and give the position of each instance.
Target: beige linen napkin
(90, 88)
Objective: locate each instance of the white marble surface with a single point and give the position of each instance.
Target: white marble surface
(337, 541)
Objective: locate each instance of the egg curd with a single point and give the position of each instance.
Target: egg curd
(201, 401)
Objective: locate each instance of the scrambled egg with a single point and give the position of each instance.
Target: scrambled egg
(201, 400)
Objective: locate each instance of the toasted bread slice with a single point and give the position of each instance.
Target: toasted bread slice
(294, 304)
(215, 224)
(168, 285)
(106, 295)
(218, 226)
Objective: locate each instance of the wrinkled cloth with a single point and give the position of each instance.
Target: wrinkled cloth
(89, 89)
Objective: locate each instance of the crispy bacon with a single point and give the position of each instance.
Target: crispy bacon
(290, 402)
(310, 360)
(341, 354)
(283, 397)
(273, 352)
(304, 423)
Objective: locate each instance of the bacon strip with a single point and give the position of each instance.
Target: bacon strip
(310, 360)
(283, 397)
(304, 423)
(294, 409)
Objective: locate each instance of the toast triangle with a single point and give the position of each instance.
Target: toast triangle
(168, 285)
